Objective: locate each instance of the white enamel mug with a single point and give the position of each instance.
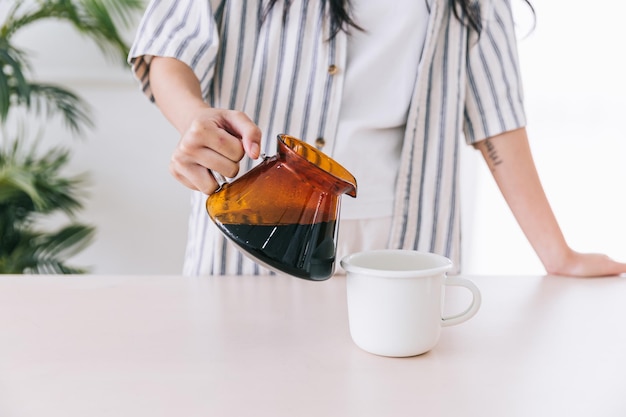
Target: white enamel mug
(395, 300)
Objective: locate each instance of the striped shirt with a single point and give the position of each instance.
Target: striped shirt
(285, 72)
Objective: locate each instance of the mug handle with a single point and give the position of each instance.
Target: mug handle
(469, 311)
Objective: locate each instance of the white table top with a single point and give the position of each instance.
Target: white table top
(92, 346)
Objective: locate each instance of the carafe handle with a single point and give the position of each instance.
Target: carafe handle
(219, 178)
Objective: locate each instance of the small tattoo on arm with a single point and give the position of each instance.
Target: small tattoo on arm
(492, 154)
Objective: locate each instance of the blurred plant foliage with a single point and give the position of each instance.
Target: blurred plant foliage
(32, 184)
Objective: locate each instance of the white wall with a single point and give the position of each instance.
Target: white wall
(576, 100)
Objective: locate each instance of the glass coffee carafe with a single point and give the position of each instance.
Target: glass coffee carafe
(284, 212)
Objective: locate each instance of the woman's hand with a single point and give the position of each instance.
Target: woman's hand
(587, 265)
(211, 139)
(216, 140)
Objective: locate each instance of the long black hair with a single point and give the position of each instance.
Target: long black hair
(467, 11)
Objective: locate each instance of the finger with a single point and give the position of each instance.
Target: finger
(252, 147)
(607, 266)
(198, 138)
(216, 161)
(242, 127)
(185, 163)
(252, 143)
(600, 265)
(194, 177)
(618, 268)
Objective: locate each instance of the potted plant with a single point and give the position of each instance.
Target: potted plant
(32, 184)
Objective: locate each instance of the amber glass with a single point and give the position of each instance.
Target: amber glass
(284, 211)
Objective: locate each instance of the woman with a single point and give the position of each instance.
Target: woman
(388, 90)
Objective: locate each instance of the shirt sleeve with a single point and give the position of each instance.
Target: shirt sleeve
(494, 100)
(181, 29)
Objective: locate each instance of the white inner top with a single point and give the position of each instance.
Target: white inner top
(372, 120)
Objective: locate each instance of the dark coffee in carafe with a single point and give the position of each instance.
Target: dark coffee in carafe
(284, 212)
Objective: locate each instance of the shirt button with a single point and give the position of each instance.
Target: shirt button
(332, 69)
(319, 143)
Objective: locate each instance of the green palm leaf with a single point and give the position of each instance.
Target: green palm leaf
(12, 80)
(46, 253)
(52, 249)
(36, 182)
(30, 186)
(96, 19)
(48, 100)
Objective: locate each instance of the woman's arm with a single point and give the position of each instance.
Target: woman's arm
(509, 158)
(211, 139)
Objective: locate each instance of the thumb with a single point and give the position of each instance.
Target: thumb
(252, 146)
(250, 134)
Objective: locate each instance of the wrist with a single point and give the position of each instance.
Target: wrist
(558, 260)
(193, 109)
